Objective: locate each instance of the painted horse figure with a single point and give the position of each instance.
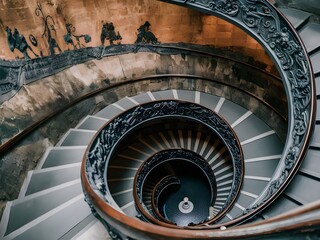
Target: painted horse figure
(18, 41)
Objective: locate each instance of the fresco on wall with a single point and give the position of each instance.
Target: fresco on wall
(55, 34)
(108, 33)
(68, 38)
(145, 35)
(18, 41)
(49, 27)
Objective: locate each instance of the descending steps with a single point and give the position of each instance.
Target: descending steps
(301, 190)
(51, 196)
(58, 171)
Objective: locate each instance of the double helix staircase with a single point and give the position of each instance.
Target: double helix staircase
(51, 202)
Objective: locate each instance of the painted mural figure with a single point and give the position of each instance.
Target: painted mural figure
(52, 43)
(68, 37)
(18, 41)
(145, 35)
(47, 29)
(108, 32)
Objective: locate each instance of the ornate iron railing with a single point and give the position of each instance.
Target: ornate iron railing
(166, 182)
(166, 156)
(103, 147)
(263, 22)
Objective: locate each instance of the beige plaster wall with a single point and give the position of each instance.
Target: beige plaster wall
(169, 23)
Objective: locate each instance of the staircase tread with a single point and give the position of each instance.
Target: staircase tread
(25, 211)
(81, 227)
(303, 182)
(186, 95)
(75, 210)
(283, 205)
(109, 112)
(208, 101)
(315, 141)
(317, 80)
(295, 16)
(62, 156)
(77, 137)
(256, 126)
(142, 98)
(275, 147)
(312, 29)
(311, 162)
(125, 103)
(164, 95)
(231, 111)
(47, 178)
(92, 123)
(95, 230)
(315, 60)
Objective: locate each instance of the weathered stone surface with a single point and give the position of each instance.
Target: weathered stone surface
(169, 23)
(39, 99)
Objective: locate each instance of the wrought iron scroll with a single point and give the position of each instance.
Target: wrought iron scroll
(162, 185)
(100, 150)
(260, 19)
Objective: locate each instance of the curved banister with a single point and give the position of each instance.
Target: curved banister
(267, 25)
(305, 218)
(104, 144)
(162, 185)
(165, 156)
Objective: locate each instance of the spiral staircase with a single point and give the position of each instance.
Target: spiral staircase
(238, 173)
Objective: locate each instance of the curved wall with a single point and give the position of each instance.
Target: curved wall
(168, 22)
(129, 74)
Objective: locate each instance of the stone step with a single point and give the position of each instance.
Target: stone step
(76, 137)
(58, 156)
(310, 35)
(27, 209)
(39, 180)
(297, 17)
(92, 123)
(54, 224)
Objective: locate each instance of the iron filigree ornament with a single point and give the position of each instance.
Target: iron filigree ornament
(262, 21)
(106, 141)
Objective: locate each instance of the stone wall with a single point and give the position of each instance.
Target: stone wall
(62, 88)
(169, 23)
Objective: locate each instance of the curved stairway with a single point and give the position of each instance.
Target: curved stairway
(54, 188)
(51, 205)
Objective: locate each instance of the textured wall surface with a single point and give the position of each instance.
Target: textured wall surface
(168, 22)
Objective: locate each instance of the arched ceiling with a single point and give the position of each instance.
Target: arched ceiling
(169, 23)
